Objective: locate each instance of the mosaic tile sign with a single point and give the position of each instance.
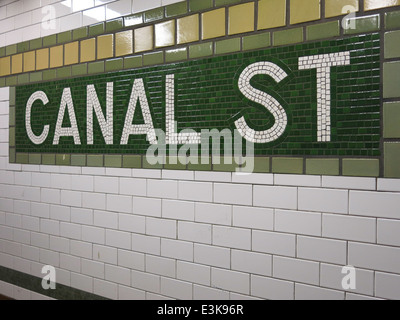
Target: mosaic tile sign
(312, 99)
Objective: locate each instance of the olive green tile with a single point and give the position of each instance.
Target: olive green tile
(48, 159)
(225, 164)
(22, 158)
(323, 30)
(114, 64)
(392, 20)
(287, 165)
(392, 47)
(95, 160)
(261, 165)
(96, 67)
(11, 139)
(198, 5)
(23, 78)
(132, 162)
(391, 120)
(12, 155)
(2, 82)
(35, 158)
(391, 80)
(203, 164)
(363, 24)
(220, 3)
(133, 62)
(114, 161)
(80, 33)
(2, 52)
(63, 159)
(78, 160)
(12, 116)
(12, 96)
(49, 75)
(360, 167)
(173, 163)
(11, 81)
(24, 46)
(133, 20)
(176, 55)
(148, 163)
(201, 50)
(227, 46)
(79, 70)
(96, 29)
(176, 9)
(64, 37)
(256, 41)
(289, 36)
(153, 58)
(36, 76)
(50, 41)
(392, 163)
(114, 25)
(13, 49)
(64, 72)
(154, 15)
(328, 167)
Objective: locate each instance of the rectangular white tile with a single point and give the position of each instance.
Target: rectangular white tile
(253, 218)
(194, 273)
(274, 243)
(118, 275)
(253, 178)
(146, 244)
(127, 293)
(165, 189)
(239, 194)
(207, 293)
(105, 254)
(213, 214)
(119, 203)
(145, 281)
(325, 250)
(196, 191)
(93, 235)
(106, 219)
(71, 230)
(81, 249)
(298, 222)
(147, 207)
(296, 270)
(230, 280)
(133, 187)
(71, 198)
(275, 197)
(118, 239)
(93, 268)
(387, 286)
(94, 200)
(371, 203)
(131, 223)
(105, 289)
(161, 227)
(106, 185)
(297, 180)
(180, 210)
(323, 200)
(176, 289)
(82, 216)
(213, 256)
(177, 175)
(176, 249)
(353, 183)
(161, 266)
(304, 292)
(195, 232)
(250, 262)
(389, 232)
(232, 237)
(131, 260)
(207, 176)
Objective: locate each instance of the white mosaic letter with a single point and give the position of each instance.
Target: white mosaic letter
(38, 95)
(323, 64)
(171, 126)
(93, 103)
(269, 102)
(138, 93)
(66, 101)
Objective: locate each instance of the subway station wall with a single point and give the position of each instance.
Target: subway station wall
(313, 84)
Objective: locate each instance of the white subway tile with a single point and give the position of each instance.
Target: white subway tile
(49, 257)
(387, 286)
(94, 15)
(230, 280)
(71, 198)
(323, 200)
(40, 210)
(118, 239)
(274, 243)
(195, 273)
(371, 204)
(250, 262)
(60, 213)
(146, 173)
(126, 293)
(326, 250)
(253, 178)
(106, 184)
(213, 256)
(105, 254)
(106, 219)
(71, 230)
(131, 260)
(94, 200)
(253, 218)
(60, 181)
(165, 189)
(180, 250)
(195, 232)
(208, 294)
(6, 233)
(304, 292)
(31, 253)
(133, 186)
(21, 293)
(82, 216)
(161, 227)
(353, 183)
(213, 214)
(145, 281)
(13, 220)
(118, 9)
(147, 207)
(82, 282)
(275, 197)
(392, 185)
(177, 175)
(93, 235)
(358, 297)
(146, 244)
(70, 22)
(78, 5)
(118, 275)
(161, 266)
(21, 265)
(176, 289)
(389, 232)
(50, 227)
(131, 223)
(23, 178)
(59, 244)
(51, 196)
(81, 249)
(105, 289)
(296, 270)
(82, 183)
(213, 176)
(232, 237)
(298, 222)
(180, 210)
(349, 228)
(297, 180)
(22, 236)
(196, 191)
(70, 263)
(140, 6)
(239, 194)
(93, 268)
(119, 203)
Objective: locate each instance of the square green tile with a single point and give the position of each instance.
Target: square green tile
(363, 24)
(79, 69)
(95, 161)
(148, 165)
(176, 9)
(287, 165)
(35, 158)
(13, 49)
(96, 29)
(48, 159)
(173, 163)
(133, 62)
(78, 160)
(80, 33)
(114, 161)
(154, 15)
(114, 64)
(391, 80)
(23, 78)
(392, 163)
(22, 158)
(392, 20)
(360, 167)
(64, 37)
(328, 167)
(36, 76)
(198, 5)
(391, 120)
(323, 31)
(153, 58)
(64, 72)
(225, 165)
(290, 36)
(227, 46)
(50, 40)
(200, 50)
(2, 82)
(96, 67)
(11, 81)
(259, 165)
(114, 25)
(203, 164)
(176, 55)
(132, 162)
(49, 75)
(63, 159)
(23, 46)
(257, 41)
(392, 47)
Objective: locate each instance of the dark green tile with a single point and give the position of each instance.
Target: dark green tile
(176, 55)
(35, 158)
(198, 5)
(329, 167)
(363, 24)
(2, 51)
(391, 80)
(361, 167)
(49, 75)
(392, 156)
(23, 46)
(22, 158)
(392, 47)
(153, 58)
(391, 120)
(133, 20)
(64, 72)
(12, 96)
(36, 76)
(95, 160)
(149, 163)
(257, 41)
(281, 38)
(64, 37)
(203, 164)
(154, 15)
(78, 160)
(201, 50)
(11, 81)
(63, 159)
(132, 162)
(96, 29)
(35, 44)
(114, 25)
(114, 161)
(133, 62)
(323, 31)
(114, 64)
(79, 70)
(96, 67)
(173, 163)
(13, 49)
(49, 159)
(80, 33)
(227, 46)
(23, 78)
(12, 116)
(287, 165)
(220, 3)
(176, 9)
(392, 20)
(50, 40)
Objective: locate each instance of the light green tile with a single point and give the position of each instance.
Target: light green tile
(174, 164)
(63, 159)
(323, 31)
(114, 25)
(392, 47)
(287, 165)
(11, 81)
(11, 139)
(176, 55)
(78, 160)
(133, 62)
(35, 158)
(2, 82)
(225, 165)
(23, 46)
(114, 161)
(392, 160)
(198, 5)
(153, 58)
(12, 96)
(12, 155)
(49, 41)
(96, 29)
(49, 75)
(363, 24)
(260, 165)
(64, 37)
(154, 15)
(80, 33)
(361, 167)
(329, 167)
(79, 69)
(96, 67)
(64, 72)
(12, 116)
(114, 64)
(289, 36)
(392, 20)
(2, 51)
(257, 41)
(13, 49)
(176, 9)
(36, 44)
(48, 159)
(23, 78)
(203, 164)
(95, 160)
(22, 158)
(36, 76)
(147, 164)
(227, 46)
(220, 3)
(201, 50)
(132, 162)
(391, 120)
(391, 80)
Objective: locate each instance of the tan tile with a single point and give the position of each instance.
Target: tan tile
(188, 29)
(144, 39)
(124, 43)
(29, 61)
(271, 14)
(42, 59)
(71, 53)
(16, 63)
(105, 46)
(56, 56)
(88, 50)
(5, 66)
(241, 18)
(214, 25)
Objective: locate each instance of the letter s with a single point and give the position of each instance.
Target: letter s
(269, 102)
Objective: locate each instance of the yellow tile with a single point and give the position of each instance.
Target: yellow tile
(165, 34)
(144, 39)
(105, 46)
(124, 43)
(334, 8)
(213, 24)
(42, 59)
(56, 56)
(29, 61)
(71, 55)
(16, 63)
(5, 66)
(88, 50)
(376, 4)
(271, 14)
(304, 10)
(188, 29)
(241, 18)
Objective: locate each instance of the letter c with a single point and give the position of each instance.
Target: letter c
(38, 95)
